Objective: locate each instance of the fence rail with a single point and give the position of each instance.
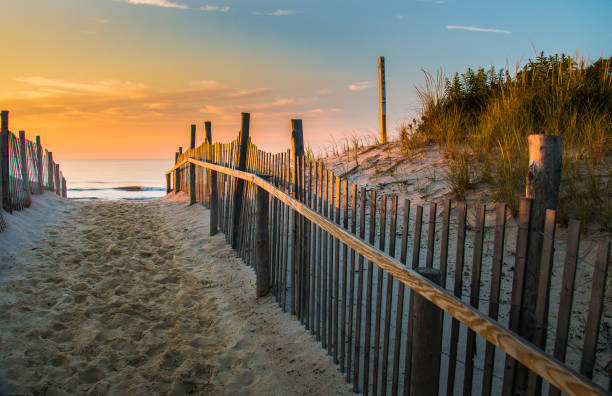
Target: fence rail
(304, 232)
(25, 170)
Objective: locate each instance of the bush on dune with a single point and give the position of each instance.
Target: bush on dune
(491, 113)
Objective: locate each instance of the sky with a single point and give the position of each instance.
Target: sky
(126, 78)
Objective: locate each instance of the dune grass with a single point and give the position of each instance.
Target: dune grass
(482, 119)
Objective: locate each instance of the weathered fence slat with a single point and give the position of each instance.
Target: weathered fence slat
(518, 284)
(567, 294)
(379, 293)
(457, 291)
(591, 330)
(470, 350)
(399, 312)
(496, 271)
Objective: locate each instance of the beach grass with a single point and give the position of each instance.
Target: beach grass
(481, 119)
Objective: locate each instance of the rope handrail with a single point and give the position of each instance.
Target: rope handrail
(532, 357)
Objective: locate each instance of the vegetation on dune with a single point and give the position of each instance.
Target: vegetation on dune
(482, 119)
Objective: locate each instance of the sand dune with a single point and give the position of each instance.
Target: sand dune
(135, 298)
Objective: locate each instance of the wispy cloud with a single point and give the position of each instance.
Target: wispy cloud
(399, 17)
(213, 8)
(360, 86)
(280, 13)
(101, 20)
(477, 29)
(157, 3)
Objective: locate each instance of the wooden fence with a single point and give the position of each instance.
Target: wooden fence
(25, 170)
(328, 251)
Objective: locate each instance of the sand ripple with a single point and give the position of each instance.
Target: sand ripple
(106, 310)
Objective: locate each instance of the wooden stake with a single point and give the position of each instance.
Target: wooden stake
(192, 178)
(4, 160)
(383, 99)
(39, 164)
(262, 247)
(242, 160)
(427, 329)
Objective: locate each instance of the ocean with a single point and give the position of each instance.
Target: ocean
(115, 179)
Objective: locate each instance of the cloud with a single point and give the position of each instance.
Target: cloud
(101, 20)
(209, 7)
(360, 86)
(280, 13)
(251, 93)
(477, 29)
(157, 3)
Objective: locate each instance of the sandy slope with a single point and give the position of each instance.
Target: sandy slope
(135, 298)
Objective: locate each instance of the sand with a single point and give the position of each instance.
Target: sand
(134, 297)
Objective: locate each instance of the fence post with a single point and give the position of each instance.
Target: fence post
(39, 163)
(543, 179)
(51, 169)
(242, 160)
(383, 99)
(207, 129)
(427, 332)
(214, 198)
(64, 188)
(177, 173)
(23, 154)
(262, 245)
(192, 178)
(297, 147)
(4, 160)
(57, 180)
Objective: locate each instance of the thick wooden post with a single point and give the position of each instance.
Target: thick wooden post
(242, 160)
(168, 183)
(383, 99)
(192, 170)
(543, 179)
(57, 180)
(23, 154)
(214, 197)
(39, 164)
(297, 147)
(427, 334)
(208, 132)
(262, 243)
(64, 192)
(4, 159)
(51, 170)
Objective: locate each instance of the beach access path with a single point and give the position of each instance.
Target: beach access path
(135, 298)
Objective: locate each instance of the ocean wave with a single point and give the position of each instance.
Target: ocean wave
(121, 188)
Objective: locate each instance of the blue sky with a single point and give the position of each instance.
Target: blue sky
(134, 67)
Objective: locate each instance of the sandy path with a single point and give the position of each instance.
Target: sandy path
(135, 298)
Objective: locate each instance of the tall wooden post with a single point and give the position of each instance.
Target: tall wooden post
(543, 179)
(297, 147)
(192, 170)
(23, 154)
(208, 133)
(39, 164)
(214, 197)
(262, 243)
(383, 99)
(427, 332)
(4, 159)
(242, 160)
(51, 170)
